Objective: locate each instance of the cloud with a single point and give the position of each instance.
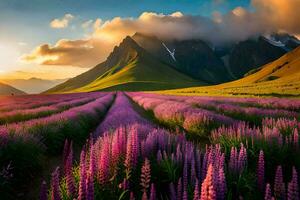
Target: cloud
(82, 53)
(87, 24)
(61, 23)
(266, 16)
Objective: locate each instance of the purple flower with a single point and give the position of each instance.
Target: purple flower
(179, 189)
(90, 188)
(293, 189)
(55, 191)
(152, 192)
(261, 170)
(221, 184)
(279, 188)
(82, 179)
(172, 192)
(196, 191)
(44, 193)
(70, 182)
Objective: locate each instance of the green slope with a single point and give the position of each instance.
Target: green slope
(278, 78)
(129, 67)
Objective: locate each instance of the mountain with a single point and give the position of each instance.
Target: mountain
(192, 57)
(33, 85)
(9, 90)
(278, 78)
(251, 54)
(128, 67)
(218, 64)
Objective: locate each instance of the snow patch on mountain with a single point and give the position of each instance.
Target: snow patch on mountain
(172, 54)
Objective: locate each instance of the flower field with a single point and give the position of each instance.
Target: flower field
(148, 146)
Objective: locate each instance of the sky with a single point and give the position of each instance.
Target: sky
(62, 38)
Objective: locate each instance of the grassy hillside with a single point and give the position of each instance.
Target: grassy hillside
(131, 68)
(9, 90)
(278, 78)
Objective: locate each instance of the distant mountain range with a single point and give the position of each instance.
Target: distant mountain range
(144, 62)
(278, 78)
(33, 85)
(9, 90)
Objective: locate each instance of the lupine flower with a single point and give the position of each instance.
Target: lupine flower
(55, 192)
(152, 192)
(279, 188)
(70, 182)
(144, 197)
(268, 193)
(90, 188)
(145, 175)
(242, 160)
(179, 189)
(104, 162)
(261, 170)
(221, 184)
(132, 196)
(293, 189)
(295, 137)
(172, 192)
(208, 192)
(196, 191)
(66, 152)
(92, 161)
(82, 179)
(44, 193)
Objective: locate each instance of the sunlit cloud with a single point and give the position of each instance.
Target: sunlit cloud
(267, 16)
(62, 22)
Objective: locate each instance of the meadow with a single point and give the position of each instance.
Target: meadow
(134, 145)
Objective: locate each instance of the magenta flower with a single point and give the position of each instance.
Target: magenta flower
(82, 179)
(70, 182)
(279, 188)
(152, 192)
(293, 189)
(179, 189)
(90, 188)
(261, 170)
(55, 191)
(44, 193)
(172, 191)
(103, 165)
(268, 193)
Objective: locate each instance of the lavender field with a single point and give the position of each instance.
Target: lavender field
(134, 145)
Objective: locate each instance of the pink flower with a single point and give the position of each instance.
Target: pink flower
(268, 193)
(146, 175)
(208, 191)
